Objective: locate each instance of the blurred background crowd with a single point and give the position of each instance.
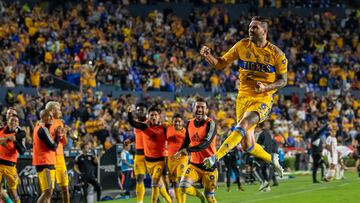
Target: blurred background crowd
(90, 44)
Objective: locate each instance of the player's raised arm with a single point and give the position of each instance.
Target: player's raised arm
(133, 123)
(219, 62)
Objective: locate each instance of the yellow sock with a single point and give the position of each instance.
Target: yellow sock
(164, 193)
(230, 142)
(180, 196)
(259, 152)
(140, 192)
(155, 194)
(211, 200)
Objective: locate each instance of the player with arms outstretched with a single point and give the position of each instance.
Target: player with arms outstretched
(263, 70)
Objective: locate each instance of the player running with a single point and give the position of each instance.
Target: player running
(263, 70)
(139, 161)
(61, 175)
(11, 145)
(176, 136)
(200, 141)
(154, 149)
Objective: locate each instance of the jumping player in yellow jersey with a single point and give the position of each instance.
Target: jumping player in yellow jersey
(61, 175)
(263, 70)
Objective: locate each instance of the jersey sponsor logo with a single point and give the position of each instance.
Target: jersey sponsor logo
(254, 66)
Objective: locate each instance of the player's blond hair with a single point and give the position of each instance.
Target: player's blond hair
(51, 105)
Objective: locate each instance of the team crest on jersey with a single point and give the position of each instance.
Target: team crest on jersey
(182, 166)
(159, 170)
(248, 54)
(283, 61)
(212, 177)
(263, 107)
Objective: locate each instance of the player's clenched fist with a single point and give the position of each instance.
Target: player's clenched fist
(205, 51)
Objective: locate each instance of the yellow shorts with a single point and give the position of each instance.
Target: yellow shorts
(155, 169)
(61, 176)
(139, 165)
(208, 178)
(177, 167)
(260, 105)
(10, 173)
(46, 179)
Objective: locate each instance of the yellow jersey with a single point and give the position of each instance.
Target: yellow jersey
(256, 64)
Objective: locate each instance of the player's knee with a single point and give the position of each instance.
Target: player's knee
(48, 193)
(183, 185)
(140, 178)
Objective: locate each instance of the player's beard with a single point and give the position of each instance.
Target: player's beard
(199, 116)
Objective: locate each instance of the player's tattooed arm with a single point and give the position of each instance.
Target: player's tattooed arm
(281, 81)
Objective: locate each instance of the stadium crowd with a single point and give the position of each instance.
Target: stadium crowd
(84, 43)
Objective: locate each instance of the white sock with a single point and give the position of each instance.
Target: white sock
(342, 171)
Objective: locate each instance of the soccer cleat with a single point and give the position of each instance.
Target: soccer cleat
(277, 166)
(210, 161)
(267, 189)
(263, 185)
(240, 189)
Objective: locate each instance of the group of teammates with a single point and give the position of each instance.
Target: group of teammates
(263, 70)
(175, 142)
(48, 155)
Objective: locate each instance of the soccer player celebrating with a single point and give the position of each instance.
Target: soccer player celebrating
(139, 161)
(200, 141)
(175, 136)
(263, 70)
(11, 144)
(154, 138)
(61, 175)
(44, 148)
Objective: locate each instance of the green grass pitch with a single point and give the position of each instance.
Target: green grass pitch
(297, 190)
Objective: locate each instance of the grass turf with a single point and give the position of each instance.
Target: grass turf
(297, 190)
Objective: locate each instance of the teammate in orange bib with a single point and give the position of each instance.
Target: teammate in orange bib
(262, 71)
(61, 175)
(139, 160)
(44, 160)
(175, 137)
(200, 141)
(154, 150)
(11, 144)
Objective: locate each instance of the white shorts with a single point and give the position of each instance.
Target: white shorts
(333, 160)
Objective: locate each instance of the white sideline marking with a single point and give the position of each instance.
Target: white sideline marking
(289, 194)
(343, 184)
